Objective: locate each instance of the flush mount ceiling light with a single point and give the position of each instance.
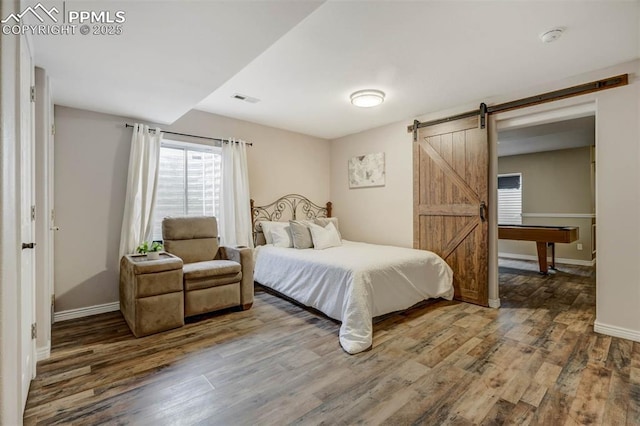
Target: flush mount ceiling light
(551, 35)
(367, 98)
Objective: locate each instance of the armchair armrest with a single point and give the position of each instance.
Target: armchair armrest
(244, 256)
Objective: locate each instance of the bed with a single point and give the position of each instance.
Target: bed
(352, 282)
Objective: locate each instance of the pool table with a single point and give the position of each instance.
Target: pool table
(544, 236)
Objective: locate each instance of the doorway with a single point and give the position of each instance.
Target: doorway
(544, 164)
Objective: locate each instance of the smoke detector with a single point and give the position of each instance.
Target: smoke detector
(551, 35)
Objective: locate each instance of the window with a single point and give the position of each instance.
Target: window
(510, 199)
(188, 182)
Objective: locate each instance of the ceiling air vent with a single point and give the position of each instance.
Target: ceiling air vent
(245, 98)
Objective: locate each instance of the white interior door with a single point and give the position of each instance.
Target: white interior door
(27, 222)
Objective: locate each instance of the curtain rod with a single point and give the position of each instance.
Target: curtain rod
(188, 135)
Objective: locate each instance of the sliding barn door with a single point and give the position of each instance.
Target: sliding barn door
(450, 172)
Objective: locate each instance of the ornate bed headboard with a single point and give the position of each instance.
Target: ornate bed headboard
(285, 208)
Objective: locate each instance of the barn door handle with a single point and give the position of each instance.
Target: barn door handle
(483, 211)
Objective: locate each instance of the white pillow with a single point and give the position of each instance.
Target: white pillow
(324, 221)
(324, 237)
(281, 236)
(268, 226)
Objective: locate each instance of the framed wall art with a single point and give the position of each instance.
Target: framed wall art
(367, 170)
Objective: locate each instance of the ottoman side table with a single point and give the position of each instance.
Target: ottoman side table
(151, 293)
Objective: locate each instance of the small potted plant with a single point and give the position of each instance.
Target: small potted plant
(152, 251)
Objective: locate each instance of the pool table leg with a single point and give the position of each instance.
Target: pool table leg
(553, 255)
(542, 257)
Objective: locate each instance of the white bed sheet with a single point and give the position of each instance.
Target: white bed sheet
(354, 282)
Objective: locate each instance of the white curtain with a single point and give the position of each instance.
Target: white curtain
(235, 209)
(142, 182)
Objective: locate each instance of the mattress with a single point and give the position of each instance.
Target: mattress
(354, 282)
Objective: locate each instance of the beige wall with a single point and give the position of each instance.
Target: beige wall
(381, 215)
(553, 182)
(385, 214)
(91, 160)
(280, 162)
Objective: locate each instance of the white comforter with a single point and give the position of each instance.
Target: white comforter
(354, 282)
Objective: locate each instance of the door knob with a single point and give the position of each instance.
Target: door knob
(28, 245)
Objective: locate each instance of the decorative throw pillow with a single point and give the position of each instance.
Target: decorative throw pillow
(324, 221)
(300, 234)
(268, 226)
(326, 237)
(281, 236)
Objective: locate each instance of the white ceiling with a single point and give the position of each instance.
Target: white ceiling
(565, 134)
(426, 55)
(170, 55)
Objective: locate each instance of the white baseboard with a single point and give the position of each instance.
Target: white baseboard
(85, 312)
(558, 259)
(494, 303)
(43, 352)
(615, 331)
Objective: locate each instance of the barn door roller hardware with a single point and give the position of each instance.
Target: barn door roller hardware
(483, 115)
(582, 89)
(416, 123)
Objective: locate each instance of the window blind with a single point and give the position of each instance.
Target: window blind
(510, 199)
(189, 182)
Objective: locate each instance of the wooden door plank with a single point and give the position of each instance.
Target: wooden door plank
(450, 227)
(446, 152)
(451, 174)
(482, 261)
(451, 127)
(448, 210)
(460, 237)
(478, 140)
(459, 163)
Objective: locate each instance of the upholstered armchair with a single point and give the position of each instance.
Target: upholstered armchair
(215, 277)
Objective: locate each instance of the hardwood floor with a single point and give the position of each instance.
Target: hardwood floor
(534, 361)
